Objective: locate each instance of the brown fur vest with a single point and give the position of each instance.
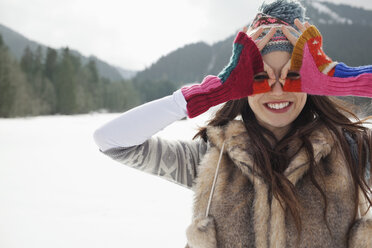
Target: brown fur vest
(243, 212)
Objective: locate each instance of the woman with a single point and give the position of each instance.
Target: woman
(280, 164)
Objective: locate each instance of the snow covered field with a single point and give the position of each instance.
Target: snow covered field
(57, 190)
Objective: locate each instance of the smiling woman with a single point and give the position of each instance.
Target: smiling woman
(280, 164)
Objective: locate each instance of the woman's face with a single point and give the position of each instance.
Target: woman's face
(277, 109)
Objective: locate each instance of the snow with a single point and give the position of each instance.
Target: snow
(334, 16)
(57, 190)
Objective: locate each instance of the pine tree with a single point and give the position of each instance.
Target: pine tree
(50, 66)
(7, 92)
(66, 84)
(16, 97)
(27, 61)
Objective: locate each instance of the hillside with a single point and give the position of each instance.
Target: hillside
(17, 43)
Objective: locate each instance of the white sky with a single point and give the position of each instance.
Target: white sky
(131, 34)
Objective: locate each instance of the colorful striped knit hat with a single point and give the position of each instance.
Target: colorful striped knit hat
(279, 12)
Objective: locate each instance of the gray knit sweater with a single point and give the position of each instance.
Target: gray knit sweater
(175, 161)
(129, 139)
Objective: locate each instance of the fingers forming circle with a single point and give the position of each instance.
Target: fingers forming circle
(285, 69)
(262, 43)
(299, 25)
(249, 29)
(256, 34)
(289, 35)
(269, 70)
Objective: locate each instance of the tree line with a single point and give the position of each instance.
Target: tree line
(59, 83)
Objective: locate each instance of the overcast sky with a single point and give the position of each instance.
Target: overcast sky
(131, 34)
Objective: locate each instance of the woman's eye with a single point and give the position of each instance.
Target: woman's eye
(261, 77)
(293, 75)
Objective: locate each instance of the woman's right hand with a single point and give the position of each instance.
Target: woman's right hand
(236, 80)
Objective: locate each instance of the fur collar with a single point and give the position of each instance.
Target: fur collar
(237, 144)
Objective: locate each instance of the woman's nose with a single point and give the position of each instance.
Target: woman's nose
(277, 88)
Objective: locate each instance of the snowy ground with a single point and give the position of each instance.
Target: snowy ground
(57, 190)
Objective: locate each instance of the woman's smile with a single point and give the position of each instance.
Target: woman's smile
(278, 106)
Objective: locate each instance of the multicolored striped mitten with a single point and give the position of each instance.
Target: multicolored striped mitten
(235, 81)
(314, 40)
(322, 76)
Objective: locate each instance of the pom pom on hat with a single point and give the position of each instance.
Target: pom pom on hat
(285, 10)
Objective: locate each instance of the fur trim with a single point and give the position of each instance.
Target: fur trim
(261, 214)
(202, 233)
(361, 234)
(216, 136)
(277, 228)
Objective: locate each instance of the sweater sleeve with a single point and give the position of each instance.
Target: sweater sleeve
(128, 140)
(175, 161)
(135, 126)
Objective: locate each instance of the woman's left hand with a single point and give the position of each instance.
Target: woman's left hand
(310, 35)
(301, 26)
(317, 74)
(293, 39)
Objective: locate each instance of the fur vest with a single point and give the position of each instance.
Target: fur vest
(243, 213)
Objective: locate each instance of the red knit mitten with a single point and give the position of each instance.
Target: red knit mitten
(235, 81)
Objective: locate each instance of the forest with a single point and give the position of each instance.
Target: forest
(59, 83)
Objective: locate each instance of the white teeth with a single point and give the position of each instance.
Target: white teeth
(278, 105)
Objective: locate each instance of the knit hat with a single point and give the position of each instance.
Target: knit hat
(279, 12)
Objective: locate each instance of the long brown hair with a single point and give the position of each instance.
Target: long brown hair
(272, 161)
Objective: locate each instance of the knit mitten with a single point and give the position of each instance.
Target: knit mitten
(314, 40)
(319, 74)
(235, 81)
(344, 71)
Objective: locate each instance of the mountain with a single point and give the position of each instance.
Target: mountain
(17, 44)
(189, 63)
(126, 74)
(347, 37)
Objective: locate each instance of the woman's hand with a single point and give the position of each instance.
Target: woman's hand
(261, 80)
(311, 36)
(293, 39)
(301, 26)
(255, 34)
(319, 74)
(236, 80)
